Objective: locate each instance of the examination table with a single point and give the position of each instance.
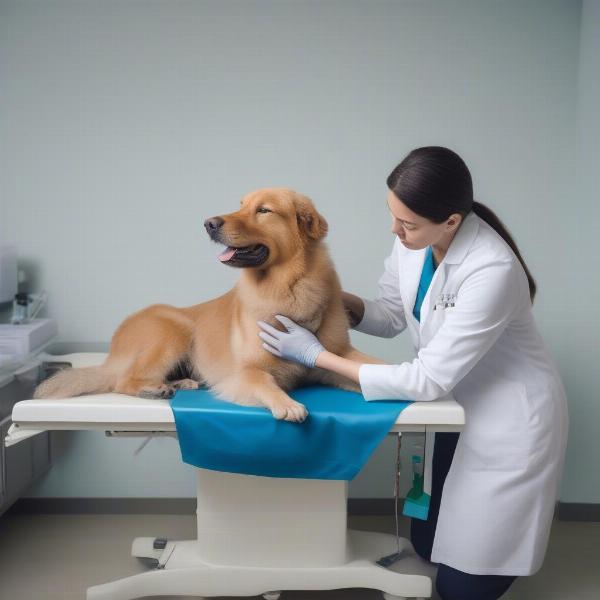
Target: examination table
(256, 535)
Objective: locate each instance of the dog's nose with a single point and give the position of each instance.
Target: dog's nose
(213, 224)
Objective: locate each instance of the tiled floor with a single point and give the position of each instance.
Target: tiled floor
(56, 557)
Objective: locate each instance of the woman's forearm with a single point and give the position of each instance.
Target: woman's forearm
(347, 365)
(343, 366)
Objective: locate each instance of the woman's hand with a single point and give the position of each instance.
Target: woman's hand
(297, 344)
(354, 307)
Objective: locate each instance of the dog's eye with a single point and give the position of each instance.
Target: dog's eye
(262, 209)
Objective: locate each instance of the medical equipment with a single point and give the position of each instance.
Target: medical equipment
(417, 465)
(20, 343)
(416, 504)
(256, 535)
(27, 306)
(19, 340)
(8, 273)
(390, 559)
(20, 309)
(22, 465)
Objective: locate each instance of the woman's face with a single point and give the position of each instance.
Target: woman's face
(416, 232)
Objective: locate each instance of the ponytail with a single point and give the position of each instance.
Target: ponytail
(488, 215)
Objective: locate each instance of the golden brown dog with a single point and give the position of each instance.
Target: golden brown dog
(276, 239)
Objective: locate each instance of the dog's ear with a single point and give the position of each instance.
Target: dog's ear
(309, 220)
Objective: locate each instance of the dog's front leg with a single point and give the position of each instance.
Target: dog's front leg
(251, 386)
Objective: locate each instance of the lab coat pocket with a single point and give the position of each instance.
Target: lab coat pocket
(495, 435)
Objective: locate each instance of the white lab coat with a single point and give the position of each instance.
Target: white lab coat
(486, 353)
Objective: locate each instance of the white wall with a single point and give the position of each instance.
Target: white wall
(581, 211)
(125, 124)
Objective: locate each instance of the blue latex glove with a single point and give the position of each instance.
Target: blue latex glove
(298, 344)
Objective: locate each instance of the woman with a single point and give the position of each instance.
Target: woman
(456, 279)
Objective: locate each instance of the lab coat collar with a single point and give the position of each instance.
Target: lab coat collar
(462, 240)
(413, 266)
(459, 246)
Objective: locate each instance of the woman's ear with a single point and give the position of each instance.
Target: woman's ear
(453, 221)
(309, 220)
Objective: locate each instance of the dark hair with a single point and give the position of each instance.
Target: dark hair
(434, 182)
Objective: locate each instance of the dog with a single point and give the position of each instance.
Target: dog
(276, 240)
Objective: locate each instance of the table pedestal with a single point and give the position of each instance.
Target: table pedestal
(261, 535)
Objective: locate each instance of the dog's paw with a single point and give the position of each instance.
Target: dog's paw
(163, 391)
(290, 410)
(184, 384)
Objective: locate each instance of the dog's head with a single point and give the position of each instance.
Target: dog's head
(271, 226)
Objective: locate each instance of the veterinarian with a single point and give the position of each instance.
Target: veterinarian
(456, 279)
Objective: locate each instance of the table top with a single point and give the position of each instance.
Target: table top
(119, 412)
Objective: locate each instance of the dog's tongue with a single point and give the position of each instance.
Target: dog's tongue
(226, 254)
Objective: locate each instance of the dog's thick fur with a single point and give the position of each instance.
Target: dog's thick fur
(162, 348)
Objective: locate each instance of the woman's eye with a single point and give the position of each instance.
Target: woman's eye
(263, 210)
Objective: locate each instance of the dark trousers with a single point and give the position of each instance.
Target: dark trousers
(450, 583)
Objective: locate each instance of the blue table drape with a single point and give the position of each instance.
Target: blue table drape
(334, 442)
